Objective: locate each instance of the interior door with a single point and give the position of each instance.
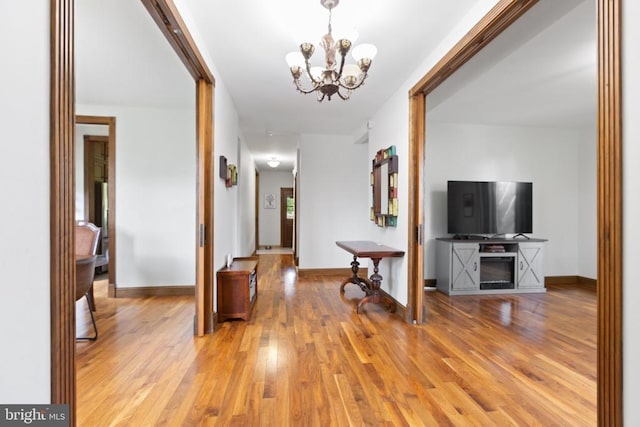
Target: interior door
(287, 214)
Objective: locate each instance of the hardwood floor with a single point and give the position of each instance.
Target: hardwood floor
(306, 359)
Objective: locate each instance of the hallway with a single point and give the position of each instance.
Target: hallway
(306, 359)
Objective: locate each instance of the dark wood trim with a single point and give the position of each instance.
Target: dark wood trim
(205, 189)
(168, 19)
(415, 246)
(257, 212)
(587, 281)
(430, 283)
(309, 272)
(62, 214)
(400, 310)
(294, 241)
(155, 291)
(609, 281)
(561, 280)
(110, 122)
(610, 396)
(499, 18)
(569, 280)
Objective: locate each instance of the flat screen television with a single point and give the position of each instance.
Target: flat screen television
(493, 207)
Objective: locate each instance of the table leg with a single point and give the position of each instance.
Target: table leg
(362, 282)
(373, 293)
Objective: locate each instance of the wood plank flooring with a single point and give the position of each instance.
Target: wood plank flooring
(307, 359)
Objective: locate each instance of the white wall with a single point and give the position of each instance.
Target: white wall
(392, 127)
(227, 239)
(333, 199)
(393, 270)
(549, 158)
(269, 219)
(246, 201)
(24, 191)
(155, 194)
(81, 131)
(588, 204)
(225, 199)
(631, 206)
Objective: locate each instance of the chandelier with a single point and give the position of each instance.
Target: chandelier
(335, 77)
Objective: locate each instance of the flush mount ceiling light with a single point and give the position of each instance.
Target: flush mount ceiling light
(273, 162)
(327, 81)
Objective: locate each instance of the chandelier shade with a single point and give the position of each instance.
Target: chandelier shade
(335, 76)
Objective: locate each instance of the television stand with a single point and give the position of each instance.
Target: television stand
(469, 237)
(489, 266)
(521, 235)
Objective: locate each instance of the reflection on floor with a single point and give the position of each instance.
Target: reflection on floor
(274, 250)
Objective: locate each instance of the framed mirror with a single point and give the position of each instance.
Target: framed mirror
(384, 178)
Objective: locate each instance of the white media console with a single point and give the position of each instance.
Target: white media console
(489, 266)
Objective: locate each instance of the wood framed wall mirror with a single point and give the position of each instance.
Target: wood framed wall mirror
(384, 179)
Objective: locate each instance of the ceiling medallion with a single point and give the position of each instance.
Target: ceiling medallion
(335, 77)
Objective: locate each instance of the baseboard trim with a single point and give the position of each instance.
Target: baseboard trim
(154, 291)
(587, 281)
(401, 310)
(214, 322)
(430, 283)
(309, 272)
(569, 280)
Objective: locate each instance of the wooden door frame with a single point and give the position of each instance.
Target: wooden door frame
(295, 218)
(62, 184)
(283, 214)
(257, 212)
(110, 122)
(609, 176)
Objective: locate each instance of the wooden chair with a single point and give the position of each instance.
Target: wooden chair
(87, 238)
(85, 272)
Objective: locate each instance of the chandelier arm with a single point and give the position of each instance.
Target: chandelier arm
(341, 67)
(315, 82)
(344, 97)
(302, 89)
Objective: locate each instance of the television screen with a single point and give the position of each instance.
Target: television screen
(497, 207)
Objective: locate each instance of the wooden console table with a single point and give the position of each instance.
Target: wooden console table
(237, 289)
(371, 286)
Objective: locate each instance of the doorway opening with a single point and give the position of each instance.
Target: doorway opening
(96, 197)
(287, 216)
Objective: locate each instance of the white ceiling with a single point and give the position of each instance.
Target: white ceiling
(540, 72)
(123, 59)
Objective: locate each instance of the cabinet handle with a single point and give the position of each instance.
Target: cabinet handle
(475, 266)
(521, 265)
